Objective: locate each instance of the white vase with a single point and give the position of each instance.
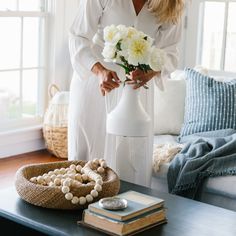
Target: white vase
(129, 118)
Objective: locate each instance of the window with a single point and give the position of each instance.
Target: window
(217, 31)
(23, 44)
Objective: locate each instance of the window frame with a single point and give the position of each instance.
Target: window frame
(42, 78)
(194, 35)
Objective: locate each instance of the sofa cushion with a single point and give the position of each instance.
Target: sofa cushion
(169, 105)
(209, 104)
(219, 191)
(221, 185)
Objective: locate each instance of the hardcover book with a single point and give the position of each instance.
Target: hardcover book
(138, 204)
(128, 227)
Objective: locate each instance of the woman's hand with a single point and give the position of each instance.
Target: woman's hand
(108, 79)
(139, 78)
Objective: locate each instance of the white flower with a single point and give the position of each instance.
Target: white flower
(127, 45)
(150, 40)
(124, 46)
(123, 31)
(138, 51)
(131, 32)
(112, 34)
(156, 59)
(109, 52)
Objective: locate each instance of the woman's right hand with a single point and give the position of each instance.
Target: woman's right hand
(108, 79)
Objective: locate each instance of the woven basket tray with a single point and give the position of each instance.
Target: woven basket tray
(52, 197)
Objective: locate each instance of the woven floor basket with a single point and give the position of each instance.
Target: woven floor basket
(52, 197)
(56, 140)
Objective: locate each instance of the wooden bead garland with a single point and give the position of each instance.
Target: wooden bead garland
(74, 177)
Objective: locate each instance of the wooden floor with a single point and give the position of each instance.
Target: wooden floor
(9, 166)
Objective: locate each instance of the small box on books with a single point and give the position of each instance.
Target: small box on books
(143, 212)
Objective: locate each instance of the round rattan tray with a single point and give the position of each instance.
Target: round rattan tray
(52, 197)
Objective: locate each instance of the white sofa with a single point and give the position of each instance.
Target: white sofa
(169, 105)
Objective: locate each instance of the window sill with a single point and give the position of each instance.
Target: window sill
(21, 140)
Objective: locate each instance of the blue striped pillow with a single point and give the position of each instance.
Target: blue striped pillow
(209, 104)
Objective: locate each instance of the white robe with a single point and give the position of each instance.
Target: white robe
(131, 158)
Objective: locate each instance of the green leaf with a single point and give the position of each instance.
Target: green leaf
(127, 71)
(118, 46)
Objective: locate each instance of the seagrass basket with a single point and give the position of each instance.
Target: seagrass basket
(55, 122)
(56, 140)
(52, 197)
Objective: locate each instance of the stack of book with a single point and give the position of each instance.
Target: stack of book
(143, 212)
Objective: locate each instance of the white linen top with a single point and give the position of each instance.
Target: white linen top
(94, 15)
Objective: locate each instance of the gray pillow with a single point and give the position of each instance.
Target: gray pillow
(209, 104)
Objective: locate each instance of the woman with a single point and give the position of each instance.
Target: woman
(160, 19)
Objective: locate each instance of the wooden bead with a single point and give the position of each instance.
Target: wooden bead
(82, 200)
(53, 177)
(57, 181)
(94, 193)
(47, 179)
(63, 170)
(78, 168)
(60, 176)
(89, 198)
(67, 183)
(40, 179)
(99, 181)
(98, 177)
(76, 184)
(100, 170)
(69, 196)
(65, 176)
(78, 177)
(72, 176)
(56, 171)
(75, 200)
(72, 166)
(84, 177)
(103, 164)
(98, 188)
(33, 179)
(65, 189)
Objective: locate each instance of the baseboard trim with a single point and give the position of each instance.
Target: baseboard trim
(21, 141)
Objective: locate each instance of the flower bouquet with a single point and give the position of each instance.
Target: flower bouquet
(131, 49)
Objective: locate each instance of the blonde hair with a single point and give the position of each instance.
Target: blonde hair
(167, 11)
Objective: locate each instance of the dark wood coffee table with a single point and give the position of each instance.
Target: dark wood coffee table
(185, 217)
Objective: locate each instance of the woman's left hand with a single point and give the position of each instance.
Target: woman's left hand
(140, 78)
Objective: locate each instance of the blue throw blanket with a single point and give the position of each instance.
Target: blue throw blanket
(204, 155)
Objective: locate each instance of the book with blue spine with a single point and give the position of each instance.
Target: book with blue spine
(138, 204)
